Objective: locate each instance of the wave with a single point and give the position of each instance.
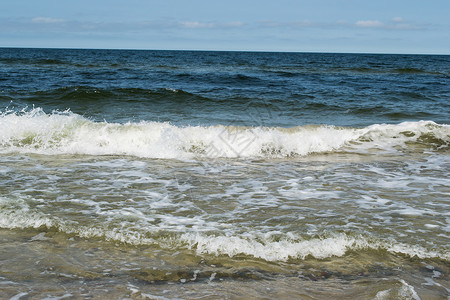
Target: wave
(377, 70)
(381, 70)
(289, 247)
(31, 61)
(34, 131)
(413, 71)
(89, 93)
(271, 246)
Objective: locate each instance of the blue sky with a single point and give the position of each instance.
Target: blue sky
(377, 26)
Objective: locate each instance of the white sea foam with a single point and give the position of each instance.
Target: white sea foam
(382, 295)
(405, 291)
(284, 249)
(23, 219)
(34, 131)
(270, 250)
(19, 216)
(263, 246)
(18, 296)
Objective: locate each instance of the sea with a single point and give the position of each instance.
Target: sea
(137, 174)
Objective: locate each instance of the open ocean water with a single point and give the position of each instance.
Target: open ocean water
(199, 175)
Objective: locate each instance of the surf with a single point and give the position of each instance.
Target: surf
(64, 132)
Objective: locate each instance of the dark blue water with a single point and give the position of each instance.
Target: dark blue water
(209, 88)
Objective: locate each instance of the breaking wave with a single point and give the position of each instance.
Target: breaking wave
(34, 131)
(266, 246)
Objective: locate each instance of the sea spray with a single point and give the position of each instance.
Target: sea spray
(35, 131)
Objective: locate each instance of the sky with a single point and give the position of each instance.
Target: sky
(352, 26)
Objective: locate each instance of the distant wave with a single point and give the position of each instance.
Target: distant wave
(88, 93)
(36, 62)
(287, 70)
(378, 70)
(34, 131)
(384, 70)
(297, 103)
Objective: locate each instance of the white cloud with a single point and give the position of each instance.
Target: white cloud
(397, 23)
(196, 25)
(45, 20)
(370, 24)
(203, 25)
(43, 23)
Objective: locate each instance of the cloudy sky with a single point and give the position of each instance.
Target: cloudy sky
(375, 26)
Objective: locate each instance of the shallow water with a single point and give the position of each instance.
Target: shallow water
(181, 229)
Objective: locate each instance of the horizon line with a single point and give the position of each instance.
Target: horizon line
(217, 50)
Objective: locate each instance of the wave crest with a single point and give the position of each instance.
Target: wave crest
(268, 246)
(35, 131)
(297, 248)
